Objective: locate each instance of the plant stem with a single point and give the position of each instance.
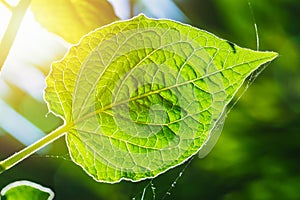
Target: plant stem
(26, 152)
(7, 5)
(9, 36)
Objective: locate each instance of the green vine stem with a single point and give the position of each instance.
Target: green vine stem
(18, 13)
(26, 152)
(7, 5)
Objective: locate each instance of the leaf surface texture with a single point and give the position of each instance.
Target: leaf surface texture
(142, 96)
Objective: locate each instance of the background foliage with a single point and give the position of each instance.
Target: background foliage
(256, 156)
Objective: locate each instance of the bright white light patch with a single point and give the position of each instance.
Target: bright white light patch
(18, 126)
(5, 15)
(33, 47)
(122, 8)
(13, 2)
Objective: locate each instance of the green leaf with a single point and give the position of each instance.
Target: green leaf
(142, 96)
(73, 19)
(24, 190)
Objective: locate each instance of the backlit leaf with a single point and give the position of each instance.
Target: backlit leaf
(25, 190)
(142, 96)
(73, 19)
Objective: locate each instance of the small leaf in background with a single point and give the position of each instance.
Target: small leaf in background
(25, 190)
(142, 96)
(73, 19)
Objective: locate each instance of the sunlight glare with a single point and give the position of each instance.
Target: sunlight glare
(122, 8)
(5, 15)
(33, 133)
(33, 47)
(12, 2)
(29, 59)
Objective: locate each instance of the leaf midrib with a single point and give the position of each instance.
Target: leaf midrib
(88, 115)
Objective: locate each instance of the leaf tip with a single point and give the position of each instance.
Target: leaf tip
(273, 55)
(266, 56)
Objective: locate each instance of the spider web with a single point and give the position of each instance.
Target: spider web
(150, 189)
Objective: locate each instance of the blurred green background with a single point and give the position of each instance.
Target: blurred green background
(257, 155)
